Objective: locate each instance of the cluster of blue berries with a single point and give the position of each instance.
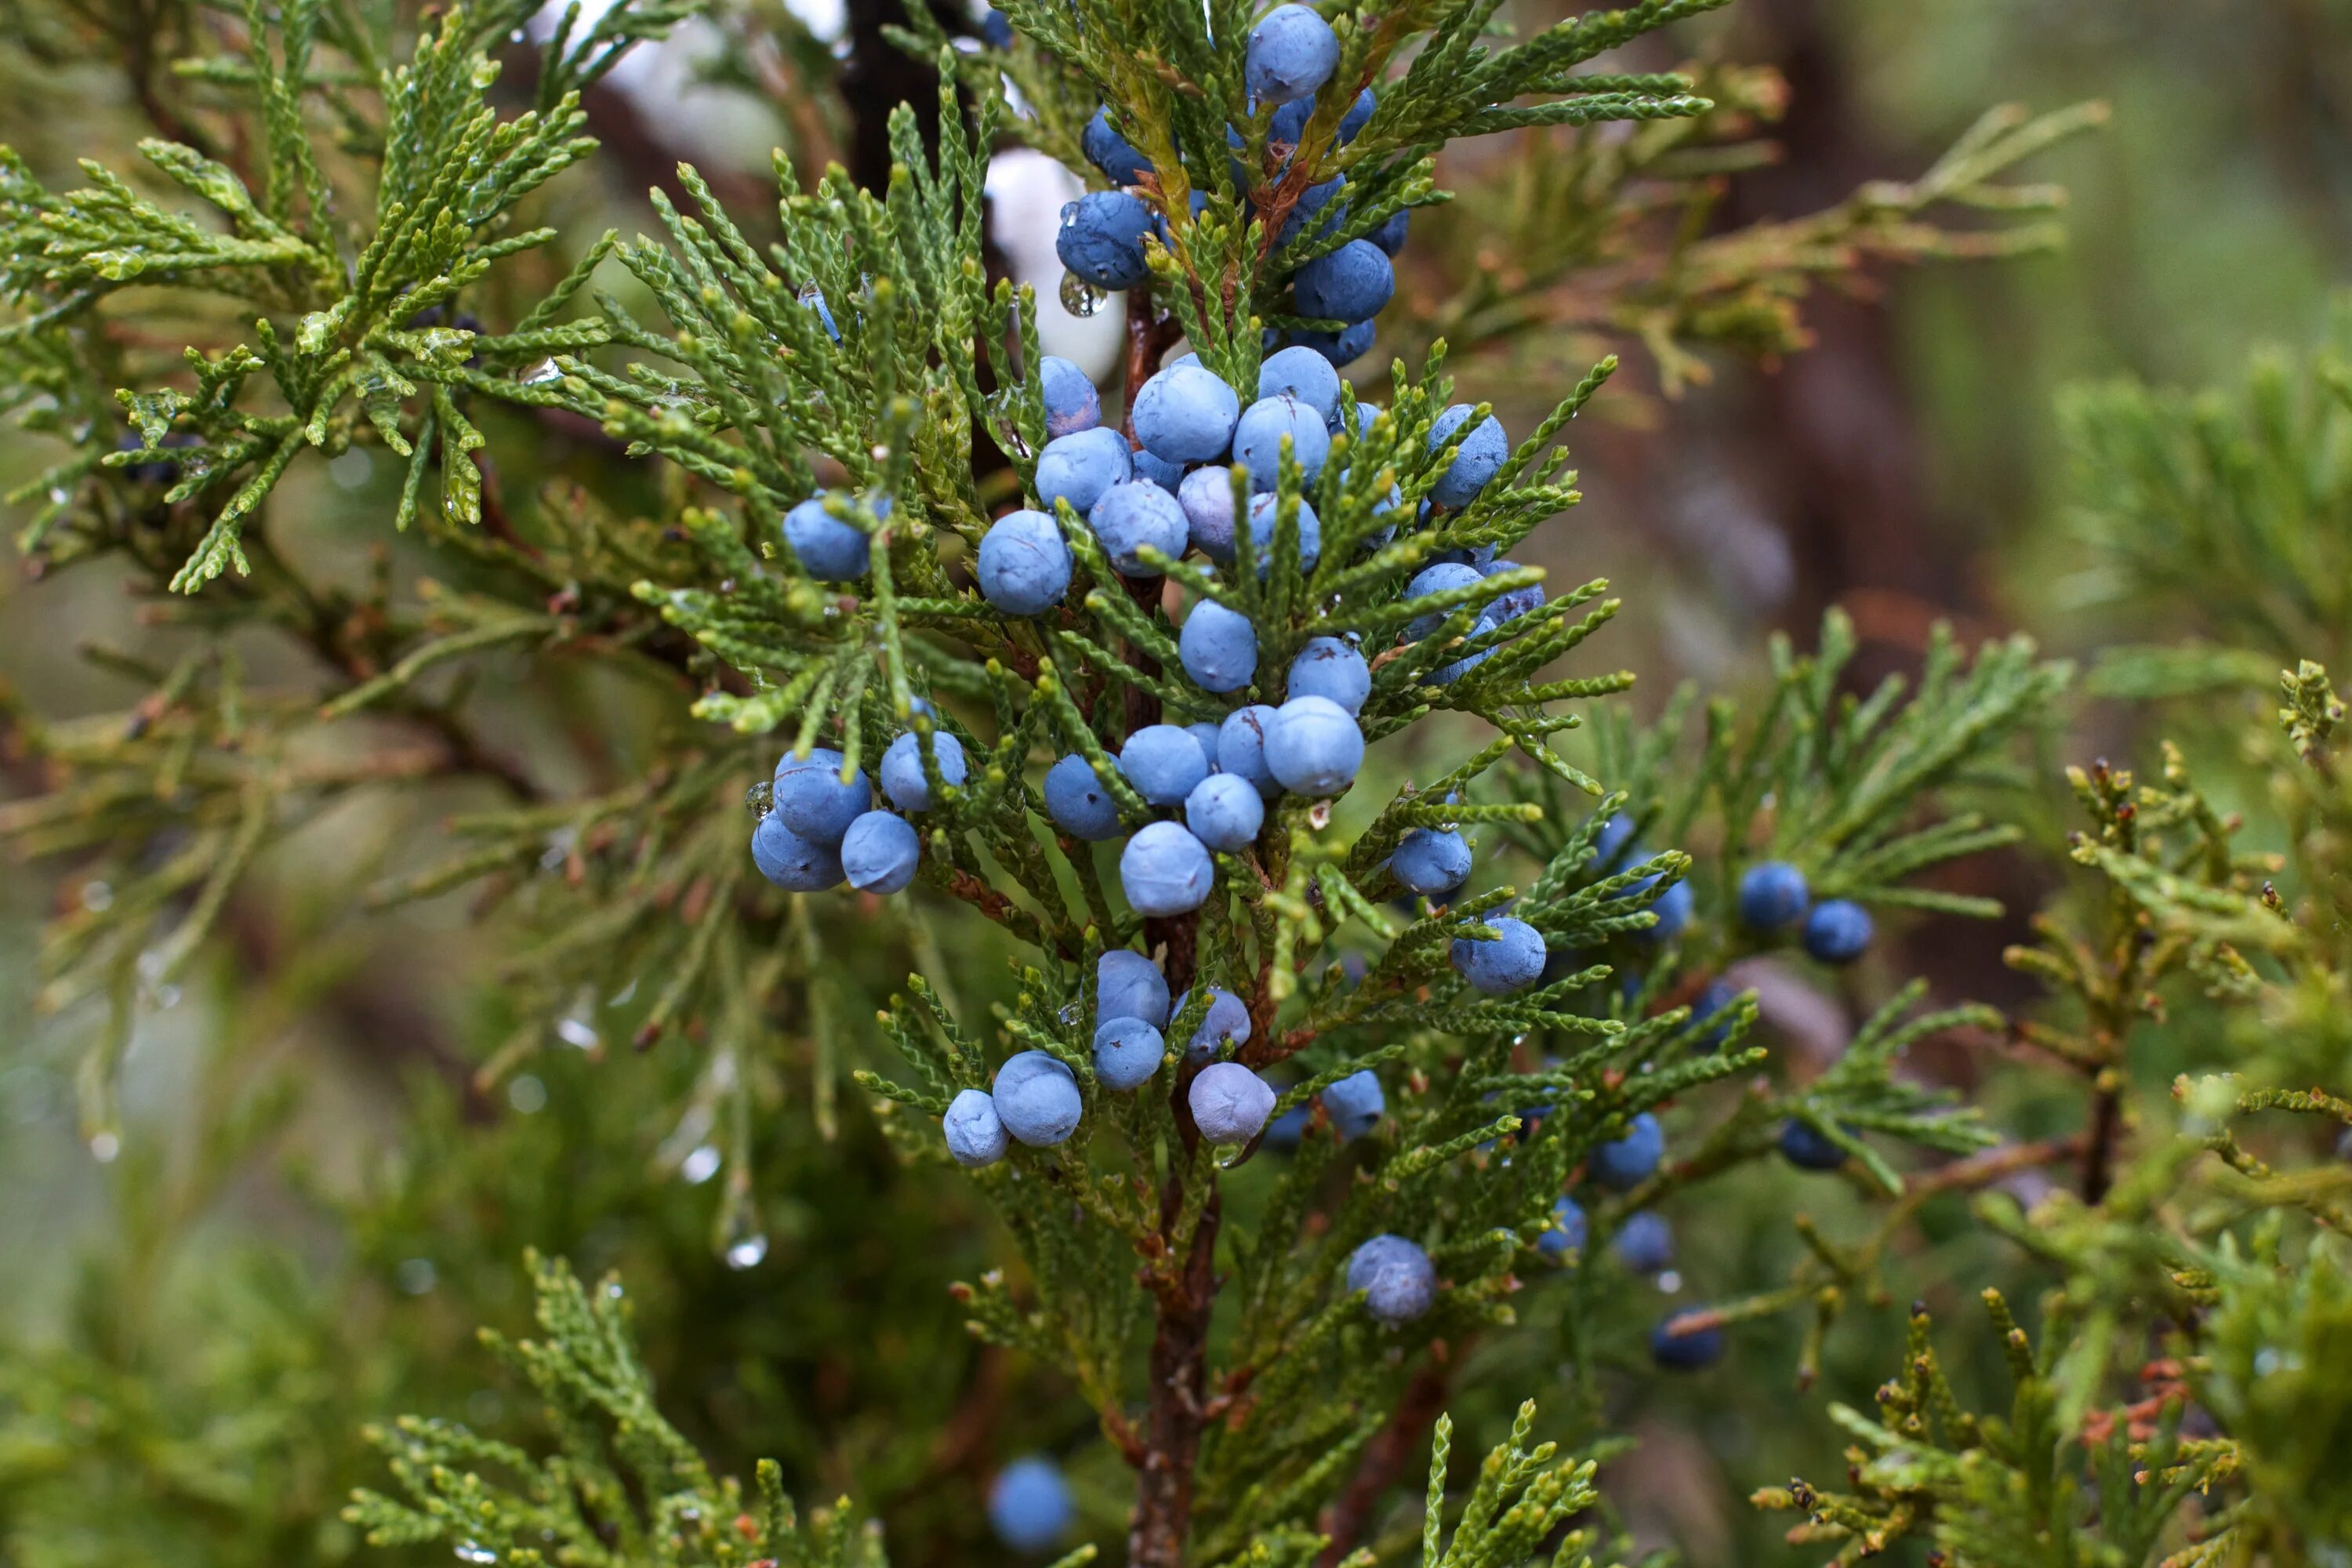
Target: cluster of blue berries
(1035, 1099)
(1292, 54)
(822, 829)
(1775, 899)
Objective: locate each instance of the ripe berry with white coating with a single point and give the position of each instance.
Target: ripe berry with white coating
(1350, 284)
(1302, 374)
(1313, 746)
(1330, 667)
(1029, 1505)
(1101, 240)
(1399, 1282)
(1355, 1104)
(1037, 1095)
(1431, 861)
(1071, 404)
(1226, 1021)
(1258, 439)
(1080, 467)
(1077, 802)
(1207, 497)
(1482, 455)
(1130, 986)
(903, 779)
(1838, 930)
(1292, 52)
(1224, 813)
(795, 864)
(1626, 1162)
(975, 1133)
(1127, 1053)
(1164, 870)
(1241, 747)
(879, 853)
(1218, 647)
(1510, 962)
(1163, 762)
(1186, 414)
(1132, 516)
(829, 550)
(812, 799)
(1772, 896)
(1443, 578)
(1229, 1103)
(1023, 565)
(1265, 517)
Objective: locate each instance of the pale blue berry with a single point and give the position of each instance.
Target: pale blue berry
(1482, 453)
(1130, 986)
(975, 1133)
(1071, 404)
(1355, 1104)
(795, 864)
(1077, 802)
(1080, 467)
(1163, 762)
(811, 798)
(1101, 240)
(1313, 746)
(1186, 414)
(1431, 861)
(1157, 470)
(1037, 1095)
(1302, 374)
(1127, 1053)
(1391, 236)
(1265, 517)
(1218, 647)
(1568, 1229)
(1241, 747)
(1445, 578)
(1207, 497)
(1773, 896)
(1838, 930)
(1351, 284)
(1510, 961)
(1029, 1505)
(1229, 1103)
(1024, 567)
(1132, 516)
(1206, 733)
(1226, 1021)
(1329, 668)
(1164, 870)
(1258, 439)
(1291, 53)
(1808, 1148)
(1687, 1343)
(1111, 153)
(1624, 1163)
(1224, 813)
(1399, 1282)
(903, 779)
(878, 853)
(828, 549)
(1645, 1244)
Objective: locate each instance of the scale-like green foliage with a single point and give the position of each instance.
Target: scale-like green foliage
(1187, 1304)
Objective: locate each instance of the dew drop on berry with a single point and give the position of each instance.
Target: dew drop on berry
(761, 799)
(1080, 298)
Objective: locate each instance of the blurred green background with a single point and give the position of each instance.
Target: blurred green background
(310, 1209)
